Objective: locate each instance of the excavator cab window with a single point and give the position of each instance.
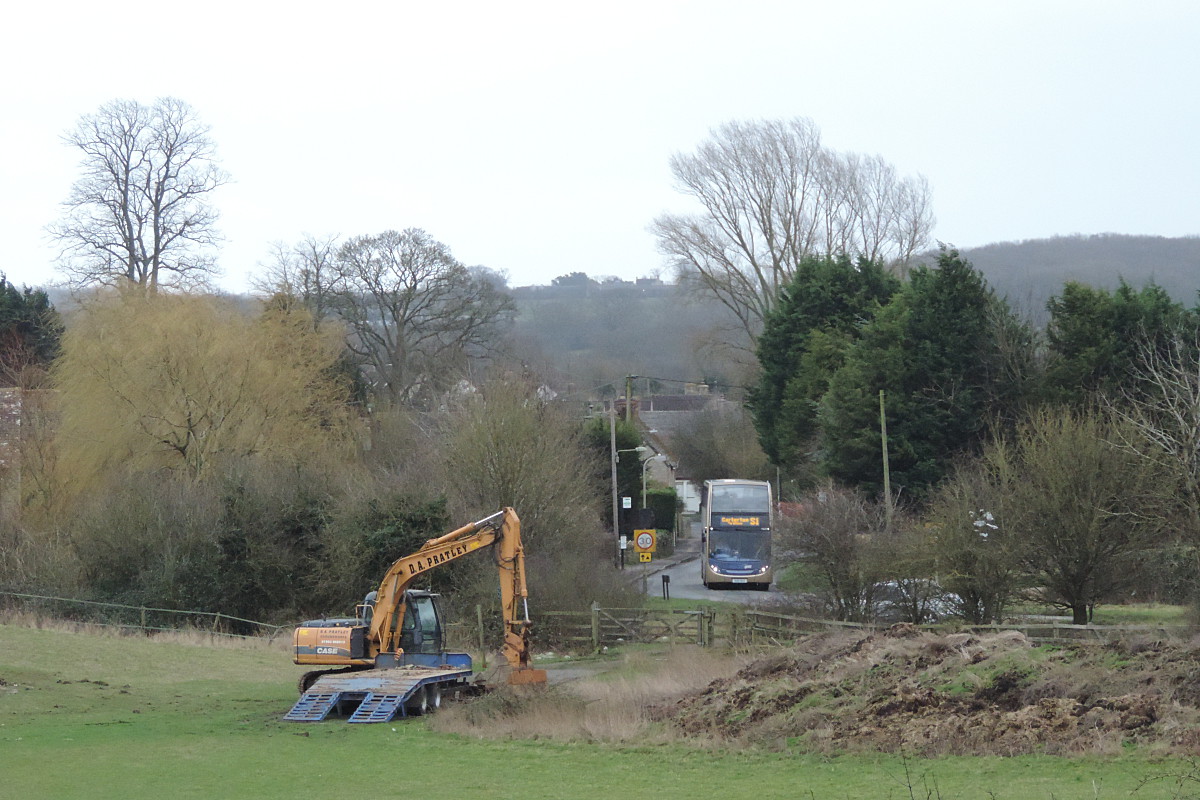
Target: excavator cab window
(422, 628)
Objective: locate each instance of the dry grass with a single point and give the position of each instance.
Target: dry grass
(192, 637)
(615, 705)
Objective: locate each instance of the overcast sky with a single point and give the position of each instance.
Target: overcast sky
(533, 137)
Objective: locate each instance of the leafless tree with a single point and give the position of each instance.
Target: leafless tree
(846, 540)
(139, 214)
(1162, 406)
(975, 554)
(1080, 507)
(303, 273)
(772, 194)
(413, 311)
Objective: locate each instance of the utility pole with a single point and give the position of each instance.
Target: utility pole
(612, 444)
(629, 397)
(887, 475)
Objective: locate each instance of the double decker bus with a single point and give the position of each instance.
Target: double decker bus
(735, 519)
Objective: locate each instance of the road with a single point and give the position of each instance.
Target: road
(684, 572)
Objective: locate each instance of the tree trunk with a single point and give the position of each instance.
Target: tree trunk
(1079, 614)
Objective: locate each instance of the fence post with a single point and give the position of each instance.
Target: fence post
(595, 626)
(479, 623)
(143, 625)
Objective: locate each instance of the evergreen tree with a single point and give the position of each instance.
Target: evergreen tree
(1094, 336)
(29, 331)
(818, 317)
(932, 352)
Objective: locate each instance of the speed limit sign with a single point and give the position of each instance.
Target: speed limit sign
(644, 541)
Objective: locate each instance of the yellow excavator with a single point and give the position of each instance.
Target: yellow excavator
(389, 659)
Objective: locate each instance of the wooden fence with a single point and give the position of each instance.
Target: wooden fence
(748, 628)
(574, 630)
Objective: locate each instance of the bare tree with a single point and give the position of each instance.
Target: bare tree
(772, 194)
(1078, 507)
(1162, 405)
(303, 274)
(846, 540)
(413, 311)
(139, 213)
(503, 446)
(975, 554)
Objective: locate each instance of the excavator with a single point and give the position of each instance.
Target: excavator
(389, 659)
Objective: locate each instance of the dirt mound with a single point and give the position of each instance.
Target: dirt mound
(919, 692)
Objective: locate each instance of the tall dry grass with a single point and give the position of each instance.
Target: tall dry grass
(192, 637)
(612, 702)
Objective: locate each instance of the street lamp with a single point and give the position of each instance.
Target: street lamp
(645, 464)
(641, 448)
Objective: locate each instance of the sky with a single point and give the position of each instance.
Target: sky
(534, 137)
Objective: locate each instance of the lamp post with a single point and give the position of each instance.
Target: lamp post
(645, 464)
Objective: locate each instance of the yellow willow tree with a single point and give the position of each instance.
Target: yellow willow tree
(173, 384)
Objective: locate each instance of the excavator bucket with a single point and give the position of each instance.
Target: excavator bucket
(522, 677)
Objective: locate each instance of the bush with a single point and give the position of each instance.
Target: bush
(665, 504)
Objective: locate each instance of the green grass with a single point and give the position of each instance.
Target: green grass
(655, 603)
(96, 716)
(801, 576)
(1142, 614)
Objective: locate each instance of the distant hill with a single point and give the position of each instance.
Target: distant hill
(1032, 271)
(592, 332)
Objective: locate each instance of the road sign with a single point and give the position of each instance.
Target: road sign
(645, 557)
(644, 541)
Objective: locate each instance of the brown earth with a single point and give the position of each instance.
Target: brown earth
(914, 691)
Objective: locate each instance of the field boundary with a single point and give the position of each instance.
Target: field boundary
(594, 629)
(146, 619)
(604, 627)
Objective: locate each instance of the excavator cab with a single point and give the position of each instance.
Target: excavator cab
(422, 631)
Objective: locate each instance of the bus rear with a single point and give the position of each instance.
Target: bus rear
(736, 534)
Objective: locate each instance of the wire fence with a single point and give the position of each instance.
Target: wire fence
(139, 618)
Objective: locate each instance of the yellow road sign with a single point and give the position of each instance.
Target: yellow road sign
(645, 541)
(644, 557)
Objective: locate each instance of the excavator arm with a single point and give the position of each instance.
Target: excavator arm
(503, 530)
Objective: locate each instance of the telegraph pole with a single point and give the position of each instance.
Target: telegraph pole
(887, 476)
(612, 444)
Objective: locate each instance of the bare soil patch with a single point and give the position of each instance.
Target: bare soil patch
(922, 693)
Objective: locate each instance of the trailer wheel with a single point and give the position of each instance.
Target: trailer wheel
(434, 696)
(418, 704)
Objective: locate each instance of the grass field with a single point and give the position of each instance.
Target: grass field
(86, 715)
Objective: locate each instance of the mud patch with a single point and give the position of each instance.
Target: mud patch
(932, 694)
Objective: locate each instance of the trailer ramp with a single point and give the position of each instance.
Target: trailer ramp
(374, 695)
